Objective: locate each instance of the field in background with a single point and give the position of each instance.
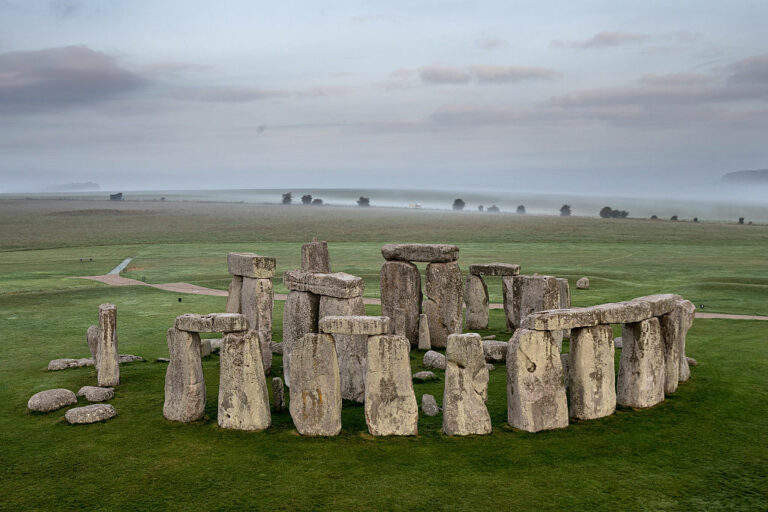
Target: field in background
(704, 448)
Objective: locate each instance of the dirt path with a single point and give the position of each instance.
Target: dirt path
(116, 280)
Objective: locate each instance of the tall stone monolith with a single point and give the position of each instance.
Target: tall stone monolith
(108, 358)
(351, 348)
(299, 318)
(233, 295)
(466, 387)
(184, 380)
(256, 302)
(400, 288)
(443, 305)
(315, 257)
(424, 342)
(641, 378)
(674, 327)
(476, 300)
(591, 373)
(243, 395)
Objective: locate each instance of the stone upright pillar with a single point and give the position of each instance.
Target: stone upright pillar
(243, 395)
(400, 288)
(184, 380)
(444, 301)
(351, 348)
(674, 327)
(466, 387)
(107, 356)
(315, 257)
(641, 368)
(92, 336)
(508, 293)
(424, 342)
(476, 300)
(233, 295)
(256, 302)
(530, 294)
(592, 376)
(299, 318)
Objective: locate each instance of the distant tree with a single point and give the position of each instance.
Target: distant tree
(606, 212)
(459, 204)
(493, 209)
(741, 220)
(364, 201)
(565, 211)
(674, 217)
(479, 207)
(317, 201)
(609, 213)
(654, 217)
(695, 219)
(521, 209)
(287, 198)
(162, 198)
(306, 199)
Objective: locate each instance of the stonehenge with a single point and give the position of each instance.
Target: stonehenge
(107, 356)
(641, 379)
(591, 375)
(400, 285)
(443, 305)
(466, 387)
(243, 394)
(476, 291)
(299, 318)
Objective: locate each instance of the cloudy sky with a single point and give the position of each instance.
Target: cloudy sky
(518, 95)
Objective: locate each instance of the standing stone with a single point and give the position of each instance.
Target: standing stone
(564, 290)
(507, 293)
(688, 314)
(429, 405)
(536, 398)
(674, 327)
(107, 357)
(565, 360)
(400, 287)
(92, 336)
(315, 257)
(184, 380)
(278, 394)
(400, 322)
(205, 348)
(299, 318)
(351, 348)
(256, 301)
(583, 283)
(424, 341)
(476, 299)
(390, 403)
(592, 377)
(444, 301)
(243, 395)
(641, 368)
(466, 387)
(233, 296)
(315, 392)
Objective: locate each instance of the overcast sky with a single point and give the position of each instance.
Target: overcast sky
(479, 95)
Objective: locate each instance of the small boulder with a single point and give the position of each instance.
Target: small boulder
(424, 376)
(63, 364)
(429, 405)
(434, 359)
(51, 400)
(583, 283)
(130, 358)
(692, 361)
(90, 414)
(490, 367)
(96, 394)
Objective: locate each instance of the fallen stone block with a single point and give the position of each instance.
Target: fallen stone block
(640, 382)
(90, 414)
(400, 288)
(162, 360)
(339, 284)
(592, 377)
(63, 364)
(368, 325)
(428, 253)
(51, 399)
(559, 319)
(129, 358)
(243, 394)
(494, 269)
(252, 265)
(277, 348)
(424, 376)
(692, 361)
(429, 405)
(390, 403)
(315, 257)
(434, 359)
(466, 387)
(96, 394)
(489, 337)
(495, 351)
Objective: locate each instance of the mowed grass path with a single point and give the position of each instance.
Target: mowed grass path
(704, 448)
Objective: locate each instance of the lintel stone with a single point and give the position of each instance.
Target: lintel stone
(428, 253)
(215, 322)
(248, 264)
(370, 325)
(338, 284)
(494, 269)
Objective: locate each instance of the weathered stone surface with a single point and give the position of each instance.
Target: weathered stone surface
(424, 342)
(558, 319)
(617, 342)
(339, 284)
(641, 368)
(315, 390)
(674, 327)
(96, 394)
(466, 387)
(565, 292)
(277, 348)
(489, 337)
(490, 367)
(565, 360)
(63, 364)
(129, 358)
(243, 394)
(583, 283)
(692, 361)
(494, 269)
(429, 405)
(51, 399)
(661, 304)
(368, 325)
(90, 414)
(299, 318)
(107, 356)
(444, 289)
(315, 257)
(400, 287)
(233, 295)
(532, 294)
(476, 300)
(429, 253)
(390, 403)
(92, 336)
(424, 376)
(205, 348)
(434, 359)
(688, 312)
(216, 344)
(278, 394)
(184, 380)
(351, 348)
(248, 264)
(495, 351)
(592, 377)
(256, 302)
(536, 398)
(214, 322)
(400, 323)
(507, 293)
(623, 312)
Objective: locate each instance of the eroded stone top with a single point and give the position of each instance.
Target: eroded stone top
(429, 253)
(252, 265)
(557, 319)
(494, 269)
(370, 325)
(661, 304)
(338, 284)
(215, 322)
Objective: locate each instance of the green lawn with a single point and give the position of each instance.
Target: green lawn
(704, 448)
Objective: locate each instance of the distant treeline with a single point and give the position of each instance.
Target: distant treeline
(756, 176)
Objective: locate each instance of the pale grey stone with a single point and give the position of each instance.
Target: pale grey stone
(424, 341)
(640, 383)
(256, 302)
(429, 405)
(243, 394)
(129, 358)
(489, 337)
(565, 360)
(443, 306)
(315, 257)
(583, 283)
(51, 399)
(495, 351)
(532, 294)
(400, 287)
(687, 312)
(536, 398)
(617, 342)
(565, 293)
(494, 269)
(507, 293)
(466, 387)
(628, 312)
(205, 348)
(299, 318)
(692, 361)
(214, 322)
(315, 391)
(429, 253)
(184, 380)
(490, 367)
(559, 319)
(107, 356)
(96, 394)
(661, 304)
(390, 403)
(278, 394)
(674, 328)
(339, 284)
(424, 376)
(351, 348)
(434, 359)
(92, 336)
(63, 364)
(216, 344)
(277, 348)
(248, 264)
(476, 300)
(368, 325)
(233, 295)
(592, 377)
(400, 322)
(90, 414)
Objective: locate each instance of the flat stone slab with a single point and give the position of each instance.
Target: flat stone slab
(215, 322)
(51, 399)
(494, 269)
(428, 253)
(661, 304)
(96, 393)
(558, 319)
(370, 325)
(90, 414)
(248, 264)
(424, 376)
(339, 284)
(623, 312)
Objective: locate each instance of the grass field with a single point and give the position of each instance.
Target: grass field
(704, 448)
